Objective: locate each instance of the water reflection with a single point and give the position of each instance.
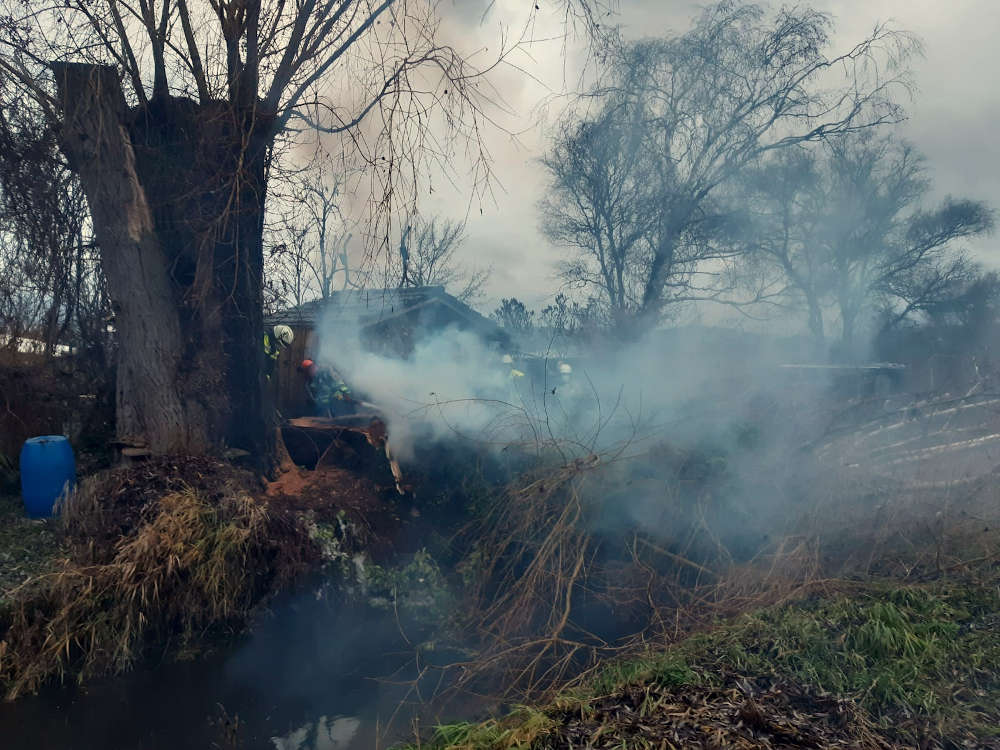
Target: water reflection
(324, 734)
(304, 679)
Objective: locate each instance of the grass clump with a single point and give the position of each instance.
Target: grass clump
(666, 670)
(180, 566)
(419, 584)
(522, 728)
(920, 658)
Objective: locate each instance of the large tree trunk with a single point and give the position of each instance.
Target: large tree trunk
(176, 191)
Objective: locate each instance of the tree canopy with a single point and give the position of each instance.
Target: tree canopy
(638, 178)
(846, 225)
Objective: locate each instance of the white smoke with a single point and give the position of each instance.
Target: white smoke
(456, 386)
(453, 387)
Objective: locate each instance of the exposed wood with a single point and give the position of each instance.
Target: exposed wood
(328, 424)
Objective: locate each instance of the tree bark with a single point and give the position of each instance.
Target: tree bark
(176, 191)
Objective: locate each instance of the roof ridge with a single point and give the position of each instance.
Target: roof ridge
(367, 306)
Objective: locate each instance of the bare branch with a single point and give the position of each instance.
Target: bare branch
(197, 70)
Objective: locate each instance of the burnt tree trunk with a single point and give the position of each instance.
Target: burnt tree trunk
(176, 191)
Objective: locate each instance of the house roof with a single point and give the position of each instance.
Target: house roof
(367, 307)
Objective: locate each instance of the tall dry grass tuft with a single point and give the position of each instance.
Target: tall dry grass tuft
(557, 589)
(187, 567)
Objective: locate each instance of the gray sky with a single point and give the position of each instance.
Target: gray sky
(952, 120)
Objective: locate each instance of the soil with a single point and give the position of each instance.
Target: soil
(326, 493)
(337, 469)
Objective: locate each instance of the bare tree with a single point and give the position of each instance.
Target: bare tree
(923, 268)
(786, 203)
(564, 319)
(842, 227)
(172, 112)
(428, 258)
(602, 203)
(51, 287)
(512, 315)
(705, 105)
(973, 307)
(309, 235)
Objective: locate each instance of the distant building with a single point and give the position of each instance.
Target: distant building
(390, 322)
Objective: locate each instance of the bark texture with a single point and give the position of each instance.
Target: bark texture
(176, 192)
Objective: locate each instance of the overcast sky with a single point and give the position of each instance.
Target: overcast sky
(953, 119)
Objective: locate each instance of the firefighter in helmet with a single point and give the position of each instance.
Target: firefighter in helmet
(329, 393)
(565, 371)
(508, 360)
(275, 341)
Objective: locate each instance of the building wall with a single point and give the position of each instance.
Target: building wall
(289, 382)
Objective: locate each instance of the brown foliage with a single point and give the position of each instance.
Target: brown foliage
(115, 503)
(780, 716)
(556, 595)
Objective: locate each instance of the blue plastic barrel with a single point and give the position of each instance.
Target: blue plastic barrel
(47, 465)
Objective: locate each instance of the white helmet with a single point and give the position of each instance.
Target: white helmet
(565, 368)
(508, 360)
(284, 335)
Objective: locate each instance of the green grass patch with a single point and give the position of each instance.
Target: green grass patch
(520, 729)
(923, 653)
(920, 660)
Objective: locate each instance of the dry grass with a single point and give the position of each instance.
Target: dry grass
(182, 565)
(547, 577)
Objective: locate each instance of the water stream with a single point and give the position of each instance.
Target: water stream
(306, 677)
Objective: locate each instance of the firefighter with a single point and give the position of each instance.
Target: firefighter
(565, 371)
(275, 341)
(514, 372)
(328, 391)
(568, 386)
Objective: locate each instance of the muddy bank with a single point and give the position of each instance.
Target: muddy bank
(169, 554)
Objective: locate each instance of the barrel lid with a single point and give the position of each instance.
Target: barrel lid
(42, 439)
